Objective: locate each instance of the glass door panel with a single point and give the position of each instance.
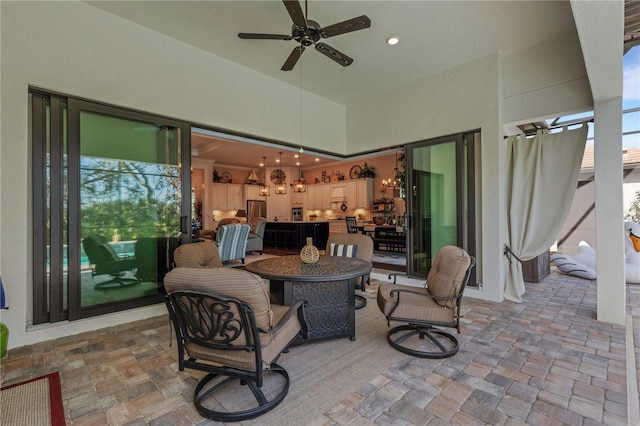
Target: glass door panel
(434, 208)
(130, 206)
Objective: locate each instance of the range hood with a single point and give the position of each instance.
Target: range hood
(338, 193)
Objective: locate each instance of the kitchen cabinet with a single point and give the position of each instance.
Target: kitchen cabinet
(326, 197)
(317, 197)
(252, 192)
(293, 235)
(226, 196)
(364, 193)
(298, 198)
(311, 197)
(352, 194)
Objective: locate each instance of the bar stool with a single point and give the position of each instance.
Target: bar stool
(270, 237)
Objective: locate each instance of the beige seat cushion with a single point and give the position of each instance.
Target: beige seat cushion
(412, 307)
(447, 273)
(198, 255)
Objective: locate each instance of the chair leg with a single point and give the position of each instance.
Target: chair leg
(200, 395)
(439, 343)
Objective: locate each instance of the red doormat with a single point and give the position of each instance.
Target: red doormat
(33, 402)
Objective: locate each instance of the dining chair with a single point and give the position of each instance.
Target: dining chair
(351, 225)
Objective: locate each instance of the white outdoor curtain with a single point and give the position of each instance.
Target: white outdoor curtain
(542, 175)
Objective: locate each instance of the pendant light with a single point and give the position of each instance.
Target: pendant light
(281, 184)
(299, 184)
(264, 188)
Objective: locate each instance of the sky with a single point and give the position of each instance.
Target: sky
(631, 97)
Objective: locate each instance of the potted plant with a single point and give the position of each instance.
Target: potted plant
(367, 171)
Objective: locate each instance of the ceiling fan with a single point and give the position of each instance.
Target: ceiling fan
(307, 32)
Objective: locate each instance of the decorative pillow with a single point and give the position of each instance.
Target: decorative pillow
(346, 250)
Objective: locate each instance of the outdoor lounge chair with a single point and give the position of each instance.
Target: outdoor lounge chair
(105, 261)
(422, 309)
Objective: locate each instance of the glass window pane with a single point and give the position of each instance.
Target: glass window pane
(130, 206)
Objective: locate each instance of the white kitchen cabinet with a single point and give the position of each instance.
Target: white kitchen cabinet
(326, 196)
(297, 198)
(364, 193)
(252, 192)
(225, 196)
(352, 194)
(317, 197)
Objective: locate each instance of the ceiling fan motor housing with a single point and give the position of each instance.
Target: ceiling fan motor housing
(307, 36)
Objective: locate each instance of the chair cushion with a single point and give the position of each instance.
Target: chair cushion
(346, 250)
(270, 344)
(412, 307)
(198, 255)
(249, 288)
(447, 273)
(227, 282)
(107, 252)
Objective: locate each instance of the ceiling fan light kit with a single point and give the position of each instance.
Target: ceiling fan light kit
(307, 32)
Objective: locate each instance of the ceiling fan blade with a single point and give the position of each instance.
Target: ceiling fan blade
(295, 11)
(334, 54)
(354, 24)
(253, 36)
(293, 58)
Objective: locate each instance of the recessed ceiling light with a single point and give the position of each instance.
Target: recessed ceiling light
(393, 40)
(317, 159)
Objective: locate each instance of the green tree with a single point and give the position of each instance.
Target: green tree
(634, 209)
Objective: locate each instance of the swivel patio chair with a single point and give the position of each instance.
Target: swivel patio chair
(353, 245)
(422, 309)
(232, 241)
(105, 261)
(226, 327)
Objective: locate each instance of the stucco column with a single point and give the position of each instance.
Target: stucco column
(611, 290)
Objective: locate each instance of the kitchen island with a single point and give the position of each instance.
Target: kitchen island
(292, 235)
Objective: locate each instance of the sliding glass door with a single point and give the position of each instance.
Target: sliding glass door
(439, 202)
(114, 191)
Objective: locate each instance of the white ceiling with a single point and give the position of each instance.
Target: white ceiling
(435, 36)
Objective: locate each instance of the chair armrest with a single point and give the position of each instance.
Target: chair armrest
(295, 309)
(418, 293)
(394, 276)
